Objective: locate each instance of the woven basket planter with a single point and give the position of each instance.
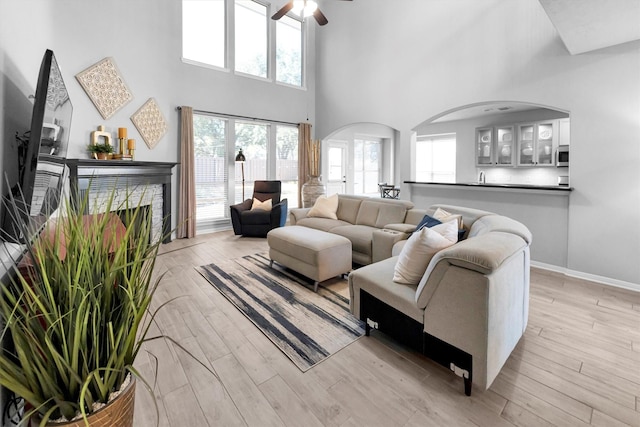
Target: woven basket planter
(118, 412)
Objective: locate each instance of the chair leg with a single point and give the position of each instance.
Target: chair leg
(270, 263)
(315, 286)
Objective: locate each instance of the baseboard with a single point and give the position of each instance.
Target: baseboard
(587, 276)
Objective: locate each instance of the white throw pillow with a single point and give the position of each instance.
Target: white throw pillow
(263, 206)
(420, 248)
(444, 216)
(325, 207)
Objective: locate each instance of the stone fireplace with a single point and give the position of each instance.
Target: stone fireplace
(146, 183)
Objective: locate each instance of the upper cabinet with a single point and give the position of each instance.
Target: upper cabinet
(523, 144)
(537, 143)
(505, 141)
(484, 146)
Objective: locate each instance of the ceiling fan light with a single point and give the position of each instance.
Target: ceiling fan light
(304, 8)
(310, 7)
(298, 7)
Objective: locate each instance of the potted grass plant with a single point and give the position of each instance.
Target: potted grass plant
(77, 312)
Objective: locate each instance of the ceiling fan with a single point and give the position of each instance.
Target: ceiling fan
(303, 8)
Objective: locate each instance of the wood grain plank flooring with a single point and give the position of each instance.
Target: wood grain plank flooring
(578, 363)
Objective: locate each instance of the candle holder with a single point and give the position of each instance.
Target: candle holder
(122, 138)
(131, 146)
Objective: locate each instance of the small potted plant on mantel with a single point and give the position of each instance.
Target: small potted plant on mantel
(100, 151)
(76, 314)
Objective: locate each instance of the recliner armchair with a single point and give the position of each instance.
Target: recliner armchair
(257, 223)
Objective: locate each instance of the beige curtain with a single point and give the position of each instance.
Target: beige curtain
(304, 137)
(187, 207)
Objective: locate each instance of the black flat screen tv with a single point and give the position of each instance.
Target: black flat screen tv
(42, 169)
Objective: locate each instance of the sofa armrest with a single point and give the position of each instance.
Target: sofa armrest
(403, 228)
(296, 214)
(482, 254)
(383, 241)
(235, 215)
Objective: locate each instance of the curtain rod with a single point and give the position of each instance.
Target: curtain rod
(235, 116)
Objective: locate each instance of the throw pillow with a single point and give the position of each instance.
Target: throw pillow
(263, 206)
(325, 207)
(420, 248)
(445, 216)
(427, 221)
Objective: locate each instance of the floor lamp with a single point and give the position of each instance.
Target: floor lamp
(240, 158)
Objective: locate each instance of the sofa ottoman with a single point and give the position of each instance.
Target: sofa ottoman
(315, 254)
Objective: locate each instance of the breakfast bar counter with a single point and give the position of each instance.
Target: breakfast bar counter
(519, 188)
(543, 209)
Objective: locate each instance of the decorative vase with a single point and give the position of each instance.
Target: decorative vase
(311, 190)
(118, 412)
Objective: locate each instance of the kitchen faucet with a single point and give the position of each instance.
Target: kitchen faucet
(481, 178)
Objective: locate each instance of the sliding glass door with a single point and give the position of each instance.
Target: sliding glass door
(270, 150)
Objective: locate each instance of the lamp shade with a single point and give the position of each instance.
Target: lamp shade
(240, 156)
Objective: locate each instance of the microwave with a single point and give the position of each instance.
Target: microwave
(562, 156)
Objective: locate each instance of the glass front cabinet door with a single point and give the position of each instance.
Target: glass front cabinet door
(504, 145)
(545, 144)
(526, 142)
(484, 146)
(536, 144)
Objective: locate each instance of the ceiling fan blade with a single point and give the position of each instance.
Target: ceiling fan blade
(322, 20)
(283, 11)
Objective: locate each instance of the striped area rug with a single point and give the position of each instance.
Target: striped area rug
(308, 327)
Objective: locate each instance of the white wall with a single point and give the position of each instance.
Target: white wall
(144, 38)
(403, 62)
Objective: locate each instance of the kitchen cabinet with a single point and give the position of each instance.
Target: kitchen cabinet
(495, 146)
(484, 146)
(504, 145)
(537, 143)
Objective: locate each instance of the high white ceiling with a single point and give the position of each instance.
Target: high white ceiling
(586, 25)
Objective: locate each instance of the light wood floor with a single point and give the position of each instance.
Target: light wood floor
(578, 363)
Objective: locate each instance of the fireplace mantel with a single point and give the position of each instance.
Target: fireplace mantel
(103, 175)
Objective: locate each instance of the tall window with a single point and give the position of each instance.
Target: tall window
(435, 159)
(366, 166)
(251, 38)
(289, 51)
(253, 139)
(211, 169)
(206, 33)
(203, 31)
(287, 162)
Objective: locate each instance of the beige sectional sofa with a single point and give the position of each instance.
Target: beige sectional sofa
(471, 306)
(372, 225)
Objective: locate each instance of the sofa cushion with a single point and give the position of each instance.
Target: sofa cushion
(428, 221)
(255, 217)
(324, 224)
(377, 214)
(376, 279)
(420, 248)
(261, 205)
(348, 209)
(360, 236)
(444, 216)
(325, 207)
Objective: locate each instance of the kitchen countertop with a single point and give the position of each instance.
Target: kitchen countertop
(497, 186)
